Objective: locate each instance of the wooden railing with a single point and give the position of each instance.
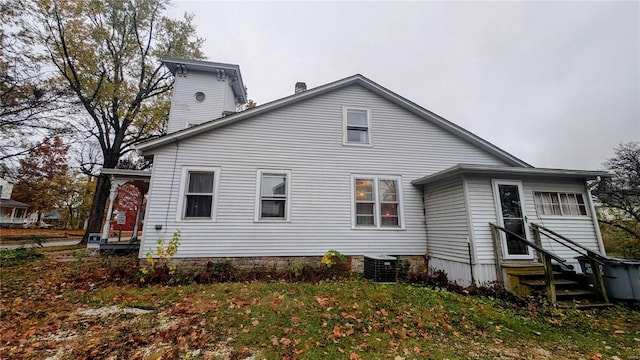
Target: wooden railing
(546, 256)
(595, 259)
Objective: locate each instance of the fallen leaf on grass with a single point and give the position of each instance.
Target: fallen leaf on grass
(354, 356)
(323, 302)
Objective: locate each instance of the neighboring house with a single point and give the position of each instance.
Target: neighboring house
(6, 188)
(129, 223)
(12, 213)
(350, 166)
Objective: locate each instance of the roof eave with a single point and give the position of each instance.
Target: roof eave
(463, 169)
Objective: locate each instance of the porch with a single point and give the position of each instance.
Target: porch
(12, 213)
(549, 273)
(112, 237)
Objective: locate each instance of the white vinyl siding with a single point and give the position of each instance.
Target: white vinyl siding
(186, 111)
(305, 138)
(580, 229)
(447, 224)
(483, 210)
(273, 195)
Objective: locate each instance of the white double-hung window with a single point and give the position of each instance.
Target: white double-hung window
(560, 204)
(377, 202)
(198, 193)
(357, 126)
(272, 195)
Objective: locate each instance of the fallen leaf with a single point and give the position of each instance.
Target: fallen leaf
(354, 356)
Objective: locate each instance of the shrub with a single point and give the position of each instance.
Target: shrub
(403, 270)
(158, 269)
(333, 258)
(220, 271)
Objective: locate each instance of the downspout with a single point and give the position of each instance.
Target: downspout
(473, 280)
(424, 221)
(594, 215)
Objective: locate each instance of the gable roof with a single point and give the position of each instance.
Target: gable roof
(339, 84)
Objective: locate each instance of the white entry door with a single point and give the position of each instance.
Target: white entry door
(511, 216)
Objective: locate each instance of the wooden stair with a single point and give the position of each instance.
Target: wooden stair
(572, 289)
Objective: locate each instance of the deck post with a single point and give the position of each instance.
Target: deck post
(548, 268)
(497, 249)
(551, 283)
(597, 280)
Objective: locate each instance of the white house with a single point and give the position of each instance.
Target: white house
(350, 166)
(12, 213)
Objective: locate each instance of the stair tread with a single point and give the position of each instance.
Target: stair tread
(583, 304)
(542, 282)
(538, 274)
(573, 292)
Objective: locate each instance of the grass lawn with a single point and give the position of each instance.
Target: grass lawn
(66, 306)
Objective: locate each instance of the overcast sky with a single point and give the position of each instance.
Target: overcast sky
(556, 84)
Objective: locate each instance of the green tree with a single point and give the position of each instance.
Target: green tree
(107, 52)
(620, 197)
(76, 191)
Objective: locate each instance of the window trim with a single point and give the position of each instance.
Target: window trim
(562, 215)
(258, 198)
(184, 179)
(345, 137)
(377, 218)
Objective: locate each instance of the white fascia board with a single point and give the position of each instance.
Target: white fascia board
(461, 169)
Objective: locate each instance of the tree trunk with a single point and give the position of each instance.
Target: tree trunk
(96, 216)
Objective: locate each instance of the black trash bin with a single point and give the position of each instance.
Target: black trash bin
(621, 277)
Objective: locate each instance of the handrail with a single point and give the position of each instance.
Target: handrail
(589, 253)
(545, 255)
(593, 257)
(529, 243)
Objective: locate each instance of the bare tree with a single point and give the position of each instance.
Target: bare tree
(621, 193)
(30, 102)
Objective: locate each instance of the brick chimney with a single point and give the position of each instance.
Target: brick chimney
(300, 87)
